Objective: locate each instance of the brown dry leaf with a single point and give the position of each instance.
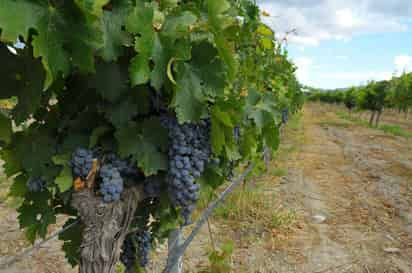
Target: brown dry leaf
(79, 184)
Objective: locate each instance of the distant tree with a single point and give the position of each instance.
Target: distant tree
(349, 99)
(400, 95)
(373, 97)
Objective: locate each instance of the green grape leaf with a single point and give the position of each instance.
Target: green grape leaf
(5, 128)
(19, 187)
(249, 142)
(209, 69)
(29, 15)
(140, 23)
(168, 4)
(64, 180)
(139, 70)
(221, 116)
(72, 141)
(85, 37)
(149, 159)
(217, 136)
(48, 45)
(121, 113)
(219, 20)
(153, 130)
(10, 73)
(35, 215)
(178, 26)
(12, 164)
(30, 94)
(197, 80)
(34, 150)
(189, 101)
(110, 80)
(165, 51)
(139, 143)
(160, 59)
(72, 239)
(94, 7)
(64, 37)
(265, 30)
(271, 136)
(267, 43)
(222, 135)
(114, 37)
(96, 134)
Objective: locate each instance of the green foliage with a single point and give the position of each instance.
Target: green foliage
(373, 96)
(400, 92)
(349, 98)
(100, 73)
(395, 130)
(332, 96)
(220, 259)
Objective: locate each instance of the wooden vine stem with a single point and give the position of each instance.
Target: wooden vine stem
(106, 226)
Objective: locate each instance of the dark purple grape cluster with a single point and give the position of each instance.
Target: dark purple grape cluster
(36, 184)
(112, 183)
(81, 163)
(136, 246)
(128, 254)
(124, 166)
(143, 247)
(285, 115)
(189, 151)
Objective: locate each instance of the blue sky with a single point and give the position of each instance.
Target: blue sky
(342, 43)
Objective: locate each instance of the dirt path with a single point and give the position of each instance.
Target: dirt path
(360, 181)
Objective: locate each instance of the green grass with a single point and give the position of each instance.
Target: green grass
(395, 130)
(278, 172)
(390, 129)
(285, 219)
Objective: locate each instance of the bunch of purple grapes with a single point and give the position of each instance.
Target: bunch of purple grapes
(124, 166)
(81, 163)
(189, 151)
(136, 246)
(112, 183)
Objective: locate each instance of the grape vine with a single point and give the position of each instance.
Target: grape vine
(152, 100)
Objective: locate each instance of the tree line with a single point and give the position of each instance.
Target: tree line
(375, 96)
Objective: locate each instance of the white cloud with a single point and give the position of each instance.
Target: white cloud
(346, 19)
(403, 63)
(304, 67)
(316, 21)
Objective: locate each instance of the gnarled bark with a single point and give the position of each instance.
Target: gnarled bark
(106, 226)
